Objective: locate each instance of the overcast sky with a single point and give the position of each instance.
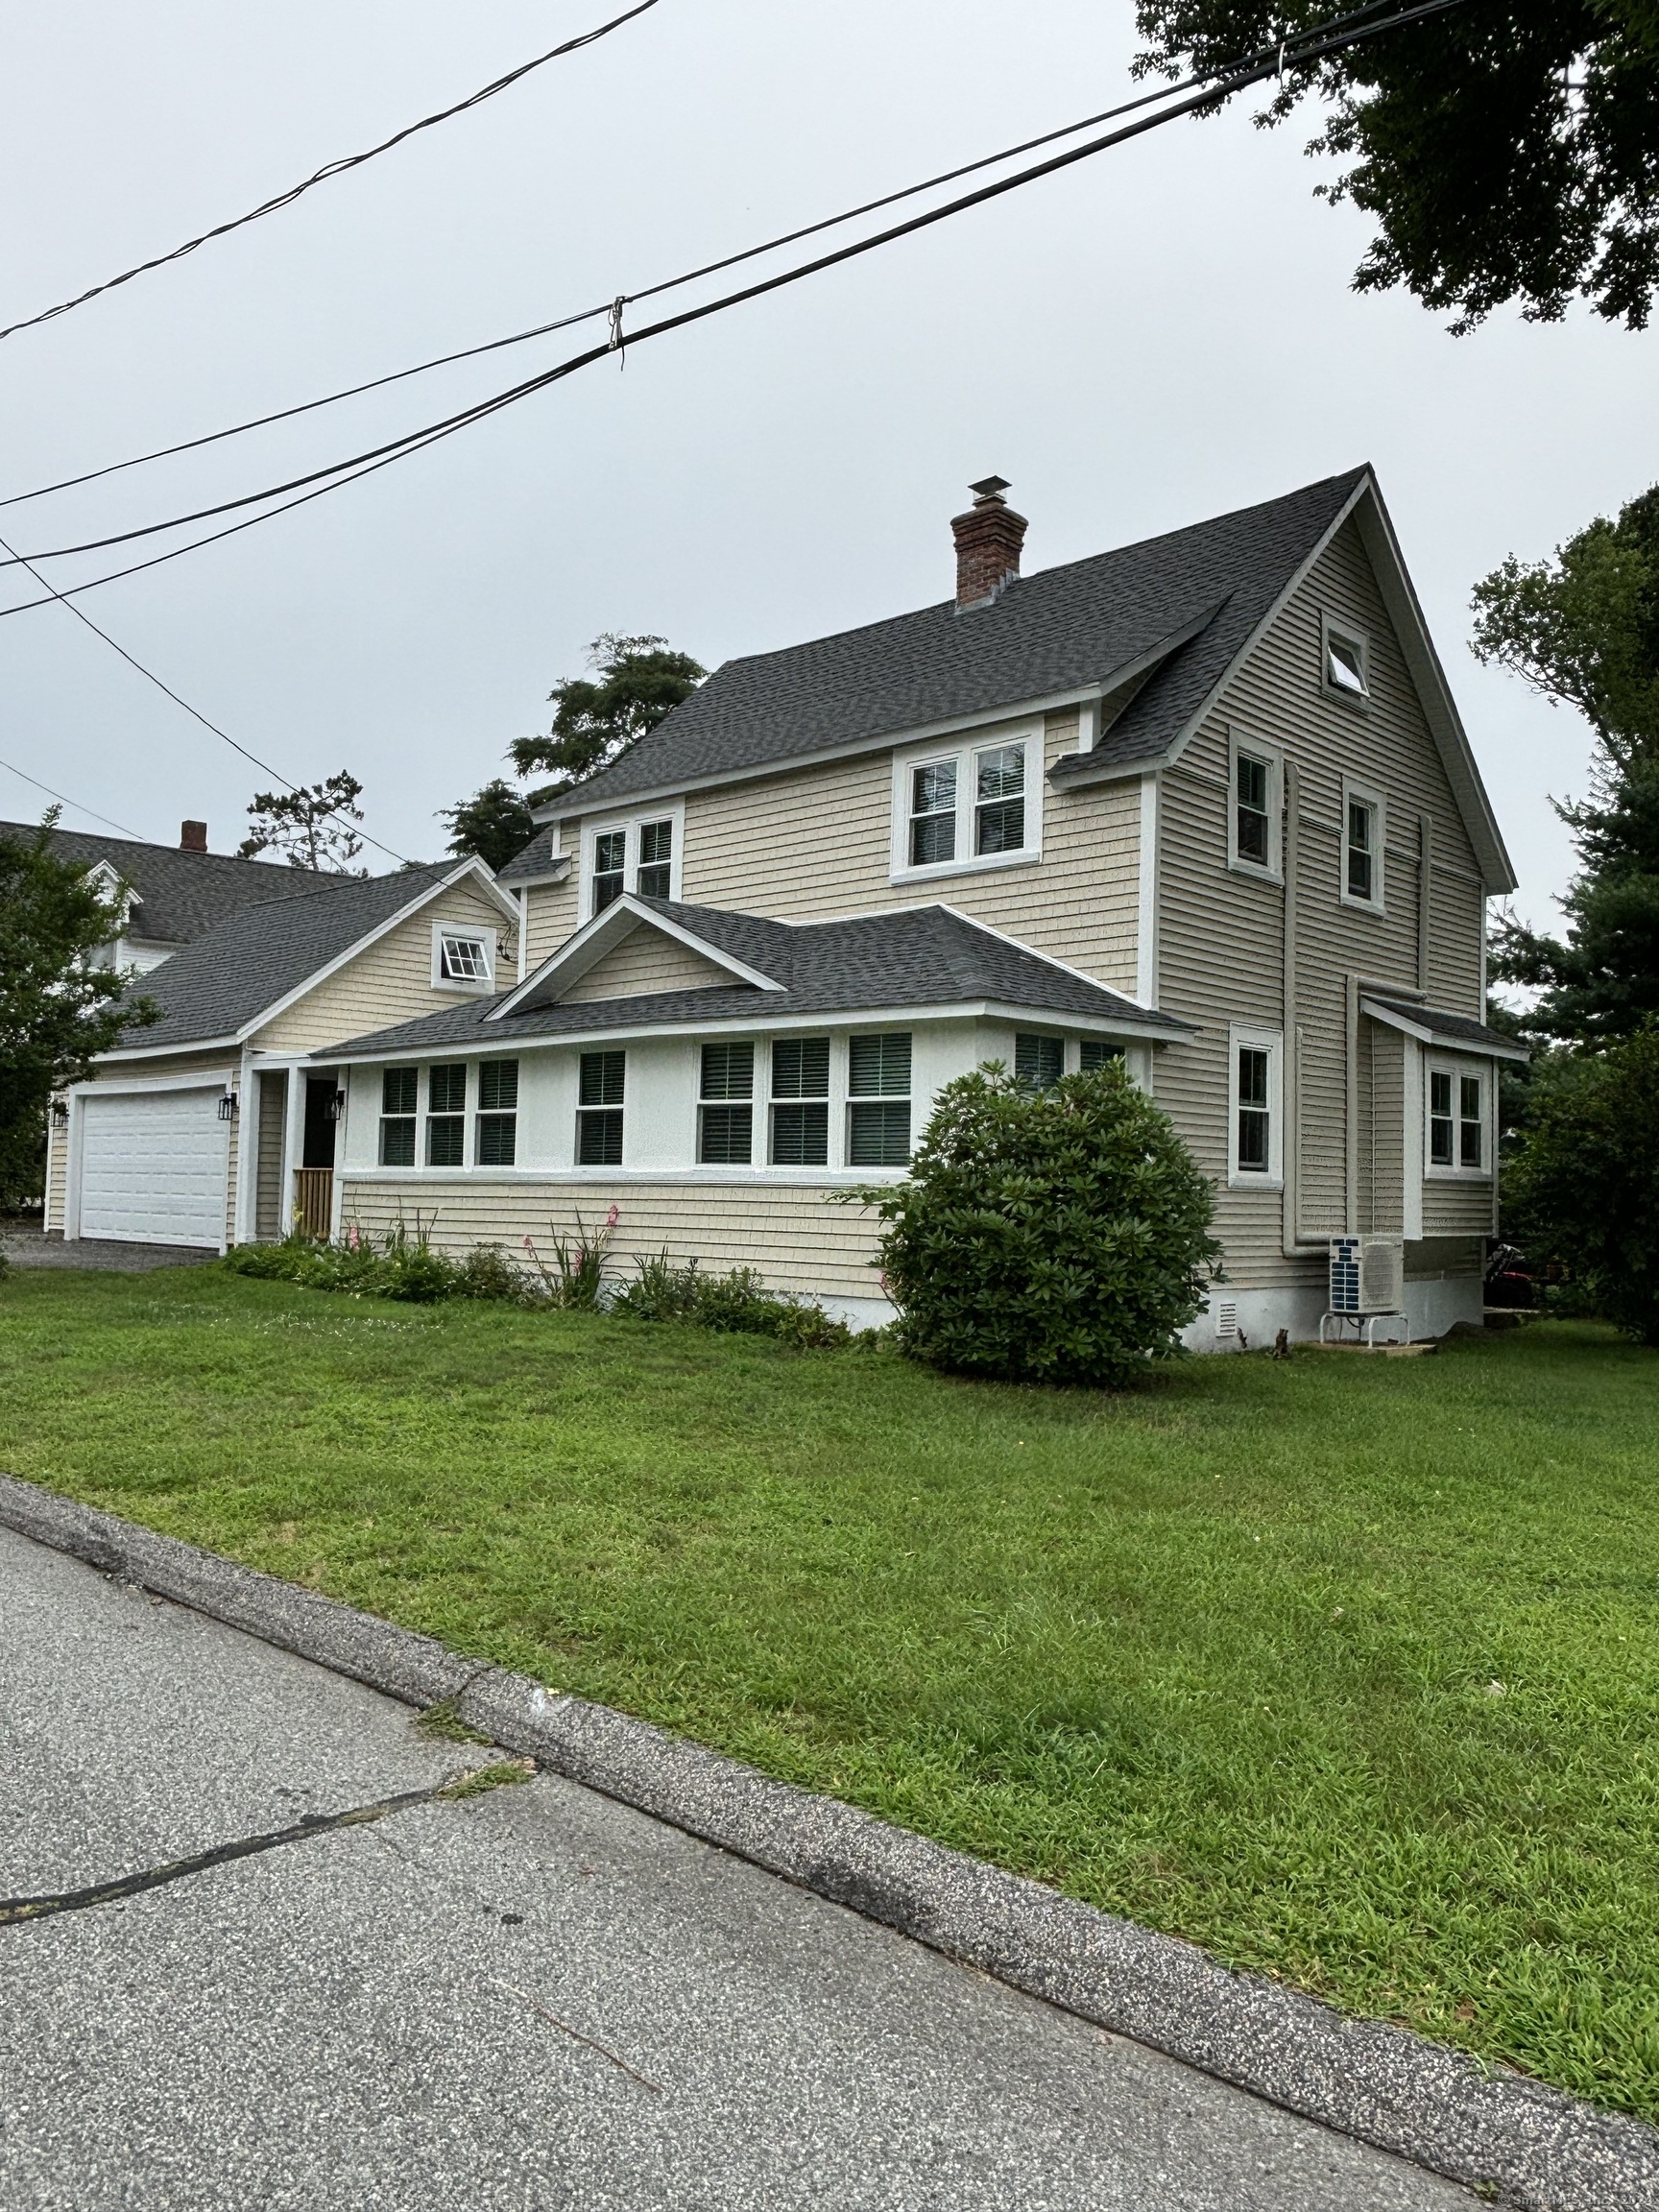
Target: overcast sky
(1162, 334)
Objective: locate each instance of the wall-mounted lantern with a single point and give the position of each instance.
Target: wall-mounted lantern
(336, 1107)
(61, 1111)
(228, 1104)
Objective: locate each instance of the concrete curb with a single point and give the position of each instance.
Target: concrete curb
(1515, 2140)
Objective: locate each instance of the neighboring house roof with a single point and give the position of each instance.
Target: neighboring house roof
(1432, 1026)
(219, 986)
(178, 895)
(921, 956)
(1062, 630)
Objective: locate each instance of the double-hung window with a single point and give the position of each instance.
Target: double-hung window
(1456, 1120)
(400, 1098)
(1253, 1137)
(970, 805)
(632, 856)
(1039, 1062)
(1253, 808)
(800, 1102)
(446, 1115)
(1363, 820)
(600, 1083)
(879, 1099)
(496, 1142)
(726, 1113)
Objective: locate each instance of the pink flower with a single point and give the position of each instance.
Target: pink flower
(613, 1217)
(528, 1246)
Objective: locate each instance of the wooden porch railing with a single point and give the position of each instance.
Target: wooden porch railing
(314, 1200)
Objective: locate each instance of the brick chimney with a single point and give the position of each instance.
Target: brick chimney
(192, 836)
(988, 541)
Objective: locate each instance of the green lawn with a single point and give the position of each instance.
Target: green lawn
(1344, 1668)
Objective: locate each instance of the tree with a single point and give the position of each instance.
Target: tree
(1506, 147)
(311, 826)
(639, 680)
(1057, 1236)
(1584, 1189)
(58, 1011)
(1582, 629)
(496, 823)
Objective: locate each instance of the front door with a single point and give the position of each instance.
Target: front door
(320, 1121)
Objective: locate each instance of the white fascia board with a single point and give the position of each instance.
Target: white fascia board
(599, 934)
(1392, 1019)
(203, 1079)
(759, 1023)
(472, 866)
(573, 806)
(188, 1044)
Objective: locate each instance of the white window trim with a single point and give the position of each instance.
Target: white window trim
(490, 939)
(1352, 635)
(1444, 1064)
(962, 749)
(1273, 873)
(1271, 1042)
(1366, 795)
(631, 824)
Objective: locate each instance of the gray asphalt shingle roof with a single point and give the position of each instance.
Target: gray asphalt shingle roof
(1451, 1028)
(537, 858)
(926, 956)
(179, 895)
(1057, 631)
(215, 986)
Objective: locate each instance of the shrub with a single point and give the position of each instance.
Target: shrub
(1584, 1184)
(662, 1289)
(1058, 1235)
(737, 1303)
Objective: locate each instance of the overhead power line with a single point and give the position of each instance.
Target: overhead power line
(1312, 46)
(328, 169)
(150, 676)
(24, 777)
(668, 285)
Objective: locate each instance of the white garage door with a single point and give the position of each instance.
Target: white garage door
(153, 1167)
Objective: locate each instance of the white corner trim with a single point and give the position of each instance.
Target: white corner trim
(1147, 894)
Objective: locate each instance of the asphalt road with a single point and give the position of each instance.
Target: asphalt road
(527, 1999)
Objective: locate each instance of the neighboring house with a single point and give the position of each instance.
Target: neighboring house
(213, 1127)
(168, 895)
(1205, 800)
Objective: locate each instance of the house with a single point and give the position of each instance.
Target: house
(215, 1125)
(1205, 801)
(166, 895)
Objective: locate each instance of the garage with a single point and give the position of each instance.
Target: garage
(153, 1167)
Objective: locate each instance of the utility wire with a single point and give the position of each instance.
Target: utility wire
(150, 676)
(329, 169)
(668, 284)
(376, 457)
(24, 777)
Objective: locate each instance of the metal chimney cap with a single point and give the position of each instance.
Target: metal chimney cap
(990, 487)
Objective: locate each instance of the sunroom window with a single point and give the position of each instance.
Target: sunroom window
(800, 1102)
(1096, 1052)
(1039, 1062)
(726, 1114)
(399, 1097)
(600, 1084)
(496, 1139)
(446, 1115)
(878, 1103)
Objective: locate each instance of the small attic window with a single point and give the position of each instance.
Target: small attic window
(462, 959)
(1345, 662)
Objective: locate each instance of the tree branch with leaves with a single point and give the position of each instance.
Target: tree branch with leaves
(311, 827)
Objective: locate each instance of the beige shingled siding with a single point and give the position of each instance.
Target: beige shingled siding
(797, 1239)
(550, 915)
(815, 843)
(272, 1109)
(1221, 933)
(390, 982)
(646, 961)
